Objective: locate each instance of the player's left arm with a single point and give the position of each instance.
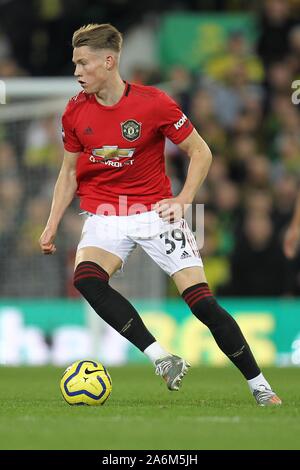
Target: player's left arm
(200, 160)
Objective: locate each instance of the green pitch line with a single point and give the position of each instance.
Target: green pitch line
(213, 410)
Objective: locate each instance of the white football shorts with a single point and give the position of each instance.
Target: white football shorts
(171, 245)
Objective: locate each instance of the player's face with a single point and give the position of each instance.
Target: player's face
(91, 68)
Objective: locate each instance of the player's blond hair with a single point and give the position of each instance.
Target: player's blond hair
(98, 36)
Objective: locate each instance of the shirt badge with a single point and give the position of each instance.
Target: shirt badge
(131, 129)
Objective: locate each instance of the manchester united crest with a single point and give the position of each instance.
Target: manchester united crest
(131, 129)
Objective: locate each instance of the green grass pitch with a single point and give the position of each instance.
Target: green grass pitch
(213, 410)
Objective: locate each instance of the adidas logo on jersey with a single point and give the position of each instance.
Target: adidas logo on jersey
(185, 255)
(88, 131)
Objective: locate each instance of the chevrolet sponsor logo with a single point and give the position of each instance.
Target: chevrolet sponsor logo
(111, 152)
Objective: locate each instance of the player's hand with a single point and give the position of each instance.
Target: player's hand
(291, 241)
(47, 241)
(171, 210)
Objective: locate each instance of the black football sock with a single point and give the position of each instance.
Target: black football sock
(223, 327)
(92, 282)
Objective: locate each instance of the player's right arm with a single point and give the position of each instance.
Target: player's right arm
(63, 195)
(292, 236)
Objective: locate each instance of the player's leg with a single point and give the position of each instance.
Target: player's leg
(175, 251)
(93, 268)
(155, 240)
(193, 287)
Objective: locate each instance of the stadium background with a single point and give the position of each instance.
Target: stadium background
(231, 65)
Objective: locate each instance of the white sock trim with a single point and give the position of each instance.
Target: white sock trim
(256, 381)
(155, 351)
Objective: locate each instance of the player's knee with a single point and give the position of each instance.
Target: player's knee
(204, 306)
(90, 277)
(212, 314)
(208, 311)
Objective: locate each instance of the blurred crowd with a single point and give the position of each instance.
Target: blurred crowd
(240, 101)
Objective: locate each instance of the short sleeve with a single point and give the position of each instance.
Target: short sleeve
(70, 140)
(172, 122)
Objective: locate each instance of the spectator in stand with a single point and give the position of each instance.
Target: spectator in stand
(292, 235)
(42, 151)
(28, 274)
(276, 23)
(294, 55)
(237, 52)
(11, 188)
(258, 171)
(231, 97)
(285, 192)
(257, 263)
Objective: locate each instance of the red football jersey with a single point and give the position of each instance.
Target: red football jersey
(121, 161)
